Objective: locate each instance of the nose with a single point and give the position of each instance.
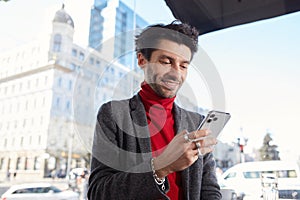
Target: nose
(176, 66)
(175, 71)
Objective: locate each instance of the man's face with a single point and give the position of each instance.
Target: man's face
(167, 68)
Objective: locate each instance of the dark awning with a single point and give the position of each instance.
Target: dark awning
(212, 15)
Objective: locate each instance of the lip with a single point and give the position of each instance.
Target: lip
(171, 84)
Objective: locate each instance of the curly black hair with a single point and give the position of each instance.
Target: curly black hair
(181, 33)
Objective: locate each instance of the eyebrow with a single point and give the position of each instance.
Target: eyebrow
(170, 58)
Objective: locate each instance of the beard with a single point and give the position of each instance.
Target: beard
(161, 89)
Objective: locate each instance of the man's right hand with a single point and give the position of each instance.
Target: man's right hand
(182, 153)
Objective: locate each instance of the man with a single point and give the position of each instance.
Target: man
(144, 147)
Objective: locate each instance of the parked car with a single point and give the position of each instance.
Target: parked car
(229, 193)
(246, 178)
(38, 191)
(289, 192)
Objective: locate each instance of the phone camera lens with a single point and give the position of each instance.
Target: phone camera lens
(215, 119)
(213, 115)
(209, 120)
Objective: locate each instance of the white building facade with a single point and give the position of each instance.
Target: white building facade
(50, 92)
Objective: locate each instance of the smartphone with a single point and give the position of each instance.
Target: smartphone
(215, 122)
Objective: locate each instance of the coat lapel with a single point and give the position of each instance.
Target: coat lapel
(140, 126)
(180, 119)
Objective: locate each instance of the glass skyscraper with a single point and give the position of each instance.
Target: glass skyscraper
(113, 26)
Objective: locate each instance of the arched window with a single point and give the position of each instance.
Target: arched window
(57, 43)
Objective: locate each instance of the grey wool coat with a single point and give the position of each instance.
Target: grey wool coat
(121, 154)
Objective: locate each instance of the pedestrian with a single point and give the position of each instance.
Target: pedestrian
(144, 147)
(15, 174)
(53, 174)
(8, 175)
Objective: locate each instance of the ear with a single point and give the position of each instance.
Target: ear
(142, 61)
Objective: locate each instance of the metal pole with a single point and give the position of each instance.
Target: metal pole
(70, 148)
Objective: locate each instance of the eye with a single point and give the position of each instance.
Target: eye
(184, 66)
(165, 61)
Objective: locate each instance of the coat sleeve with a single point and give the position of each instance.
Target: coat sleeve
(117, 173)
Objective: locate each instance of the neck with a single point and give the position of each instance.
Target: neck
(150, 97)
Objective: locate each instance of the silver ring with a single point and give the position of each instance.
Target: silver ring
(186, 137)
(198, 148)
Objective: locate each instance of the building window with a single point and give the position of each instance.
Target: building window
(26, 105)
(57, 43)
(43, 102)
(24, 123)
(34, 103)
(5, 143)
(18, 164)
(57, 102)
(7, 127)
(41, 122)
(72, 66)
(112, 71)
(70, 84)
(40, 140)
(26, 163)
(68, 105)
(30, 140)
(81, 56)
(97, 63)
(59, 82)
(21, 141)
(37, 163)
(120, 74)
(91, 60)
(74, 52)
(1, 163)
(46, 80)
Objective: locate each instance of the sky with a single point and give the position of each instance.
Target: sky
(258, 64)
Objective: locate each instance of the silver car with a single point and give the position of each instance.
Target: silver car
(38, 191)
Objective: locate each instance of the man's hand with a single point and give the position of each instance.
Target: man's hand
(181, 152)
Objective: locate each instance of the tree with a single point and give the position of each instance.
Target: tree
(268, 151)
(4, 0)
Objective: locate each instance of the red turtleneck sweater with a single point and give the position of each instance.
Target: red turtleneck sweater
(161, 126)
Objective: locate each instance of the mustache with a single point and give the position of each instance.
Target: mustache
(171, 77)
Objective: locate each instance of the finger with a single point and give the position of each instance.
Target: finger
(189, 136)
(208, 142)
(196, 145)
(197, 152)
(201, 134)
(205, 150)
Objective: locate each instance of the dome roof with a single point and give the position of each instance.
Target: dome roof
(62, 17)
